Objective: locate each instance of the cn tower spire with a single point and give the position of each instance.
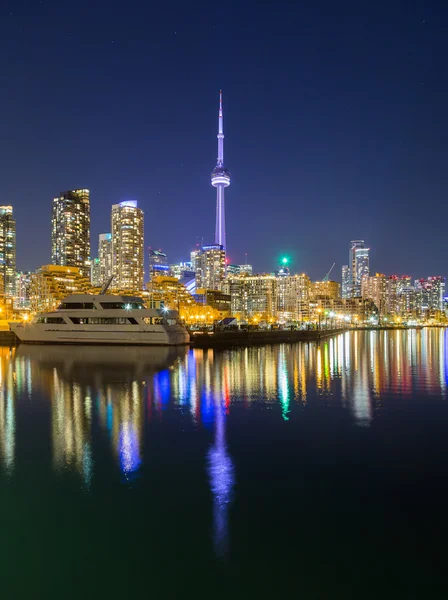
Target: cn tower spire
(220, 180)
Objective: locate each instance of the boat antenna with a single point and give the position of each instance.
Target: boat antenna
(106, 285)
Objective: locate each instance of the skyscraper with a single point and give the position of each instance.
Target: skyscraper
(127, 246)
(70, 236)
(220, 180)
(358, 266)
(7, 251)
(105, 257)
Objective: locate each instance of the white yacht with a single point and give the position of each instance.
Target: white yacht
(104, 319)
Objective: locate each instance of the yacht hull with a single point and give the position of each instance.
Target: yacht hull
(38, 334)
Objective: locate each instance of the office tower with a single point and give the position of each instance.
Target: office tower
(158, 263)
(210, 267)
(127, 246)
(233, 270)
(23, 283)
(7, 251)
(105, 257)
(182, 270)
(246, 269)
(70, 236)
(358, 265)
(95, 271)
(220, 180)
(345, 281)
(374, 288)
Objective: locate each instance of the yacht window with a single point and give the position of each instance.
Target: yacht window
(132, 321)
(108, 321)
(153, 320)
(76, 305)
(113, 305)
(53, 320)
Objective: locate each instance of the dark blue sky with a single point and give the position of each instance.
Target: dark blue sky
(335, 121)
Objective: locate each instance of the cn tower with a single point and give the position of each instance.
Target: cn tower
(220, 180)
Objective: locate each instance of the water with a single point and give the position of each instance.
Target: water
(316, 471)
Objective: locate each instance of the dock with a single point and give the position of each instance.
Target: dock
(230, 339)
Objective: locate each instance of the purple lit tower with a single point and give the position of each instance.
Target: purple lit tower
(220, 180)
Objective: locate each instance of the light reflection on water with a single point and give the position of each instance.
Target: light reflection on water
(119, 391)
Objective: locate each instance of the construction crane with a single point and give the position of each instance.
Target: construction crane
(327, 276)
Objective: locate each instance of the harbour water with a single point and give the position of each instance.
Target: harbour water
(316, 470)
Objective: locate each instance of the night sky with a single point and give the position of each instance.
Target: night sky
(335, 117)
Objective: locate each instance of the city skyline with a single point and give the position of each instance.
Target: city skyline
(335, 130)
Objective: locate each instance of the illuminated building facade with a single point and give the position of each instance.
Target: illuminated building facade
(7, 251)
(345, 281)
(158, 263)
(394, 287)
(210, 267)
(292, 297)
(358, 266)
(182, 270)
(432, 292)
(70, 233)
(127, 246)
(374, 288)
(23, 289)
(169, 290)
(332, 289)
(253, 295)
(220, 180)
(217, 300)
(51, 283)
(239, 269)
(95, 272)
(105, 257)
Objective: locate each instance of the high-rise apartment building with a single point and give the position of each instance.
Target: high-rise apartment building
(70, 235)
(345, 281)
(286, 297)
(432, 292)
(252, 296)
(293, 297)
(127, 246)
(374, 288)
(358, 266)
(105, 257)
(7, 251)
(210, 267)
(394, 288)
